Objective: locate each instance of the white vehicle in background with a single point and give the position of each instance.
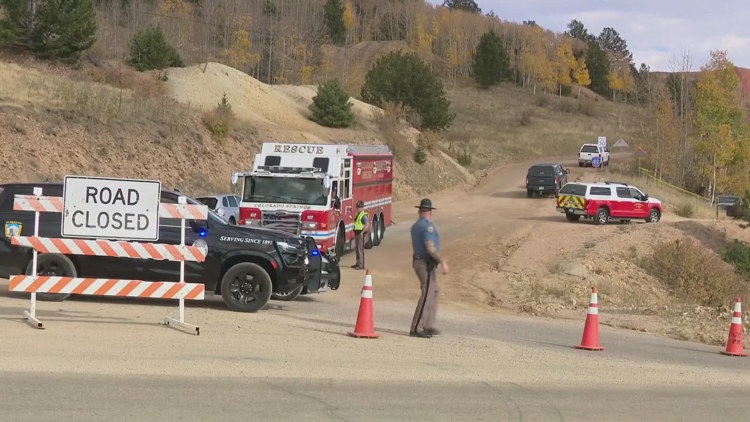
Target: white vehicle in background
(589, 151)
(226, 205)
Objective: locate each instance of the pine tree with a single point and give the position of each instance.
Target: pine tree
(404, 79)
(57, 29)
(149, 49)
(491, 62)
(331, 106)
(334, 18)
(598, 66)
(466, 5)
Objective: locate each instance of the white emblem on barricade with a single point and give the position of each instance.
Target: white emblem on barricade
(32, 283)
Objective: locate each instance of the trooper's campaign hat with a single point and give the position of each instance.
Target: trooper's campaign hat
(425, 205)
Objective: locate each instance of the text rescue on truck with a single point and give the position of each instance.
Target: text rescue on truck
(312, 189)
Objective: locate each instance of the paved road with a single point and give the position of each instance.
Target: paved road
(110, 359)
(96, 398)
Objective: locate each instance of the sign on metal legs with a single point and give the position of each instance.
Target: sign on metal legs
(111, 208)
(107, 209)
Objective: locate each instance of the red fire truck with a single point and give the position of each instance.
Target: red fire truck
(312, 190)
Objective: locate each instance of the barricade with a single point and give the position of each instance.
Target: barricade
(180, 290)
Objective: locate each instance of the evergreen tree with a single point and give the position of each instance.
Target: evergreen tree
(334, 18)
(406, 80)
(598, 64)
(331, 106)
(491, 62)
(15, 22)
(63, 28)
(56, 29)
(149, 50)
(466, 5)
(577, 30)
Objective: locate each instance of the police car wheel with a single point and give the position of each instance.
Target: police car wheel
(289, 296)
(53, 264)
(246, 287)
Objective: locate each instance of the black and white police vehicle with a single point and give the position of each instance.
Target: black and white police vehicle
(247, 266)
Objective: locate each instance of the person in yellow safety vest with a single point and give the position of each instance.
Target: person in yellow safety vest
(361, 228)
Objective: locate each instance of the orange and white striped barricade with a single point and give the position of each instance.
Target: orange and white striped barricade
(101, 247)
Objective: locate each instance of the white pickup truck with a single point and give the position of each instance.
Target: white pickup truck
(589, 151)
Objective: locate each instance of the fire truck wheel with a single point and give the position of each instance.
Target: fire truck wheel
(381, 228)
(375, 232)
(340, 242)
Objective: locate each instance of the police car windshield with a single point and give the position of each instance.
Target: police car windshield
(285, 190)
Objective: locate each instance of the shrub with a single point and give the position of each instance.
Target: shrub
(464, 158)
(220, 120)
(738, 254)
(694, 273)
(149, 50)
(420, 155)
(331, 106)
(685, 209)
(429, 140)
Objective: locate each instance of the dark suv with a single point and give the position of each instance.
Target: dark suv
(545, 178)
(244, 264)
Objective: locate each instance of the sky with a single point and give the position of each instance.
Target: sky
(658, 33)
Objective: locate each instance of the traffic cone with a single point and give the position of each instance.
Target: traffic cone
(365, 324)
(734, 342)
(590, 340)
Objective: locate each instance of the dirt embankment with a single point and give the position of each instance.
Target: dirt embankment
(59, 121)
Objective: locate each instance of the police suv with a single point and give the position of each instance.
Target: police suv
(246, 265)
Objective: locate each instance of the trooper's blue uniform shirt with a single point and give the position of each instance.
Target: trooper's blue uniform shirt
(422, 231)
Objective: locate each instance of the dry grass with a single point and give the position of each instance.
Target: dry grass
(694, 273)
(673, 201)
(507, 122)
(107, 95)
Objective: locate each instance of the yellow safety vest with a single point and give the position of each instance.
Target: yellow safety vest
(358, 224)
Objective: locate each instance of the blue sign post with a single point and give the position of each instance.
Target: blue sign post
(596, 161)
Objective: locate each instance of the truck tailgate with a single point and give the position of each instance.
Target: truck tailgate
(572, 202)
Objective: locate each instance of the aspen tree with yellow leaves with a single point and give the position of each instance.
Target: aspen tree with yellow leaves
(581, 75)
(349, 22)
(240, 53)
(177, 17)
(721, 125)
(564, 62)
(664, 139)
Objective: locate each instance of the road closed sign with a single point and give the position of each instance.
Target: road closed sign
(96, 207)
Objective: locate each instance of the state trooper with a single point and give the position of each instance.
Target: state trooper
(425, 241)
(361, 227)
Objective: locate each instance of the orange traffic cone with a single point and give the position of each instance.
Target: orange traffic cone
(590, 339)
(365, 324)
(734, 342)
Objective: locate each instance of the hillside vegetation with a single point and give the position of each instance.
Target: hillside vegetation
(109, 120)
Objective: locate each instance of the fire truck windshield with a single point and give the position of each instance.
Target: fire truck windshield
(285, 190)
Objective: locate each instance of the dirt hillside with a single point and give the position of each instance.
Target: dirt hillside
(101, 121)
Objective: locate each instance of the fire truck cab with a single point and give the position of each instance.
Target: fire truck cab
(312, 190)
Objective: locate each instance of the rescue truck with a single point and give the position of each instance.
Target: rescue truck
(312, 190)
